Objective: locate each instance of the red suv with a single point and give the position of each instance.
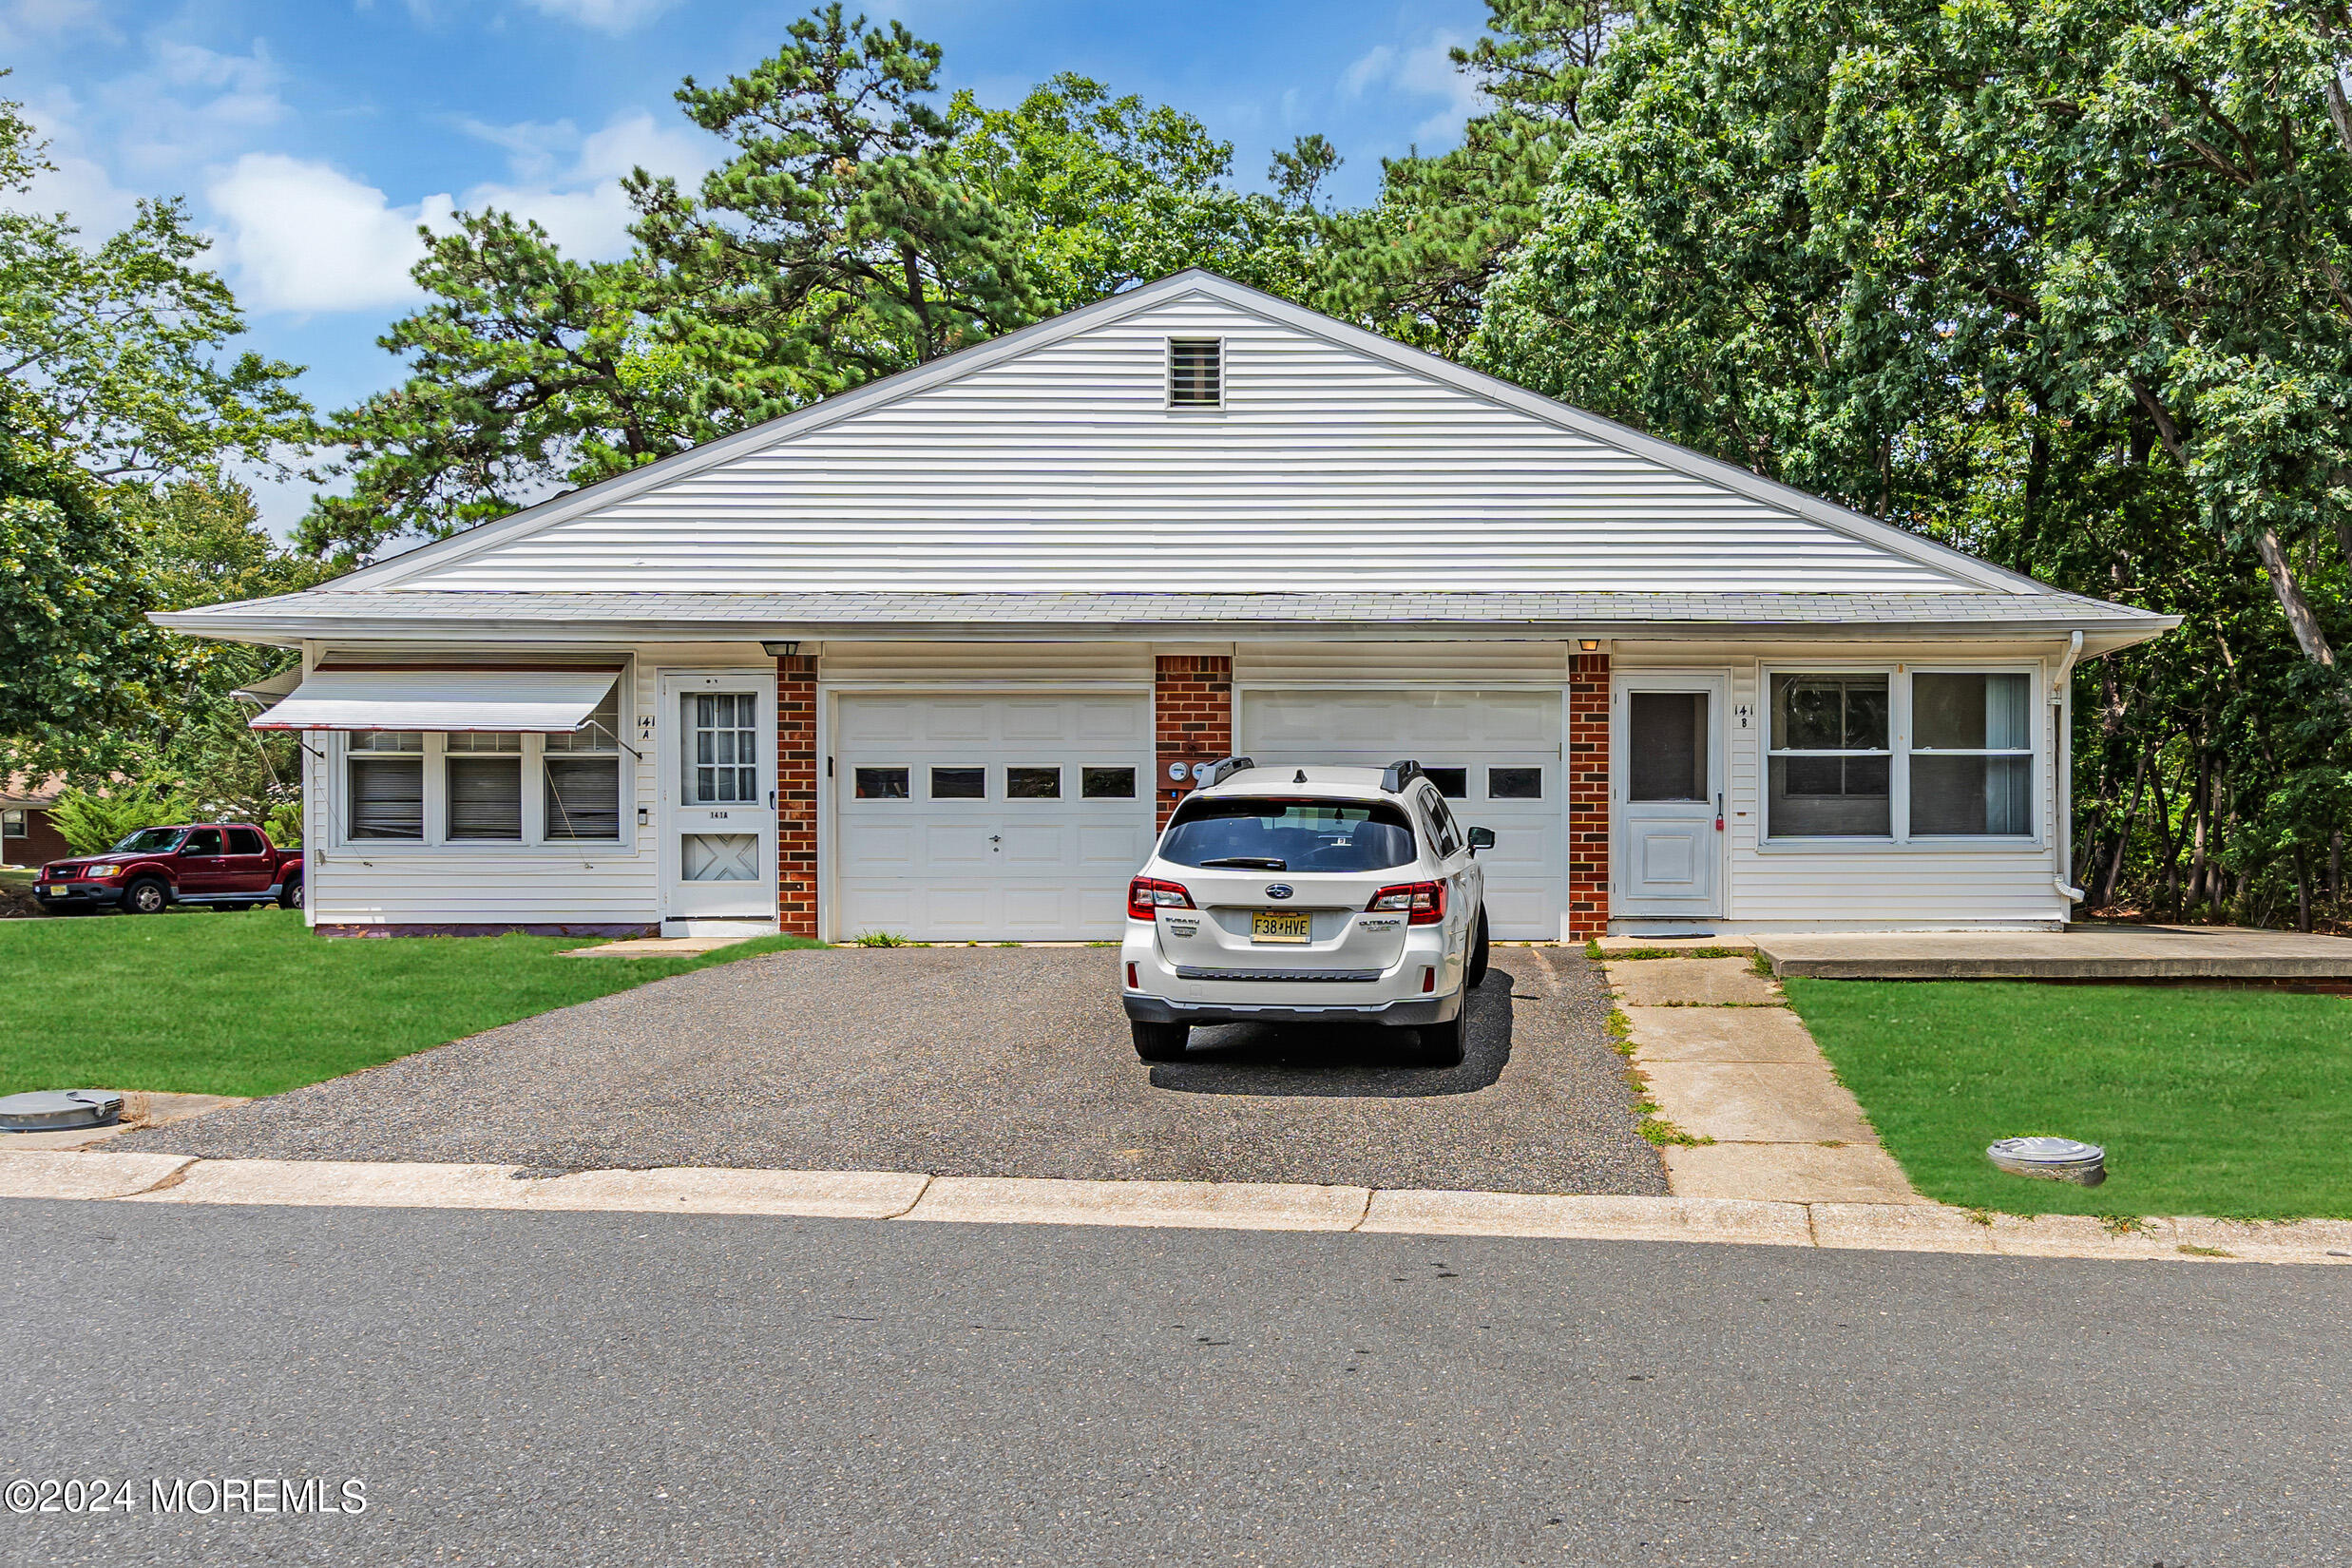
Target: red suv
(230, 864)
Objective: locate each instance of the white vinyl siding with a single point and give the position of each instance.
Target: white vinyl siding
(1325, 470)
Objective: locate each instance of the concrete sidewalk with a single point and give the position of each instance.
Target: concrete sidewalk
(176, 1180)
(1725, 1060)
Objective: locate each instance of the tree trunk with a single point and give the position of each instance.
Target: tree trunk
(2299, 617)
(2303, 888)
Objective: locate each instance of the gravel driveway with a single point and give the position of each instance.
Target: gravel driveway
(982, 1061)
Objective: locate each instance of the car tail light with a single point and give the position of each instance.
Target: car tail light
(1145, 897)
(1423, 902)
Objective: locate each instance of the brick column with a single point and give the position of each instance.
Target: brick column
(1193, 713)
(796, 779)
(1587, 771)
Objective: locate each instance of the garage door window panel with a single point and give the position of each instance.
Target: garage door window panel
(1032, 783)
(1515, 783)
(960, 783)
(1107, 783)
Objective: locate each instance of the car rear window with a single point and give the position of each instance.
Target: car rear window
(1289, 835)
(148, 841)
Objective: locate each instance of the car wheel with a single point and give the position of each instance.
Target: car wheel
(1477, 950)
(1160, 1041)
(290, 897)
(1440, 1044)
(148, 896)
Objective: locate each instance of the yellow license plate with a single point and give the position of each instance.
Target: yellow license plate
(1280, 926)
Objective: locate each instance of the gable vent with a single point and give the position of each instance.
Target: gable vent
(1195, 372)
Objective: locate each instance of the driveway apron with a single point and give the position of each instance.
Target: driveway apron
(984, 1062)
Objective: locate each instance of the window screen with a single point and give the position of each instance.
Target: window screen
(723, 748)
(1971, 755)
(387, 798)
(1666, 733)
(583, 797)
(1829, 758)
(486, 797)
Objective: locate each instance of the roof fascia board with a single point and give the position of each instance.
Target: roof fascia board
(815, 417)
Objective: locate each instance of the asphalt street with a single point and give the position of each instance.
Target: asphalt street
(598, 1388)
(984, 1061)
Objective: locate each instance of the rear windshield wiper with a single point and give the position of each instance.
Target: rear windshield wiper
(1255, 862)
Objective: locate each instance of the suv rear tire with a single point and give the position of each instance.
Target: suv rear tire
(1440, 1044)
(290, 896)
(1159, 1041)
(1477, 950)
(148, 896)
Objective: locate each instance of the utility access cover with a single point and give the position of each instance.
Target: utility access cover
(48, 1110)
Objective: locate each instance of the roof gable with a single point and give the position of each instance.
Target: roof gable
(1047, 461)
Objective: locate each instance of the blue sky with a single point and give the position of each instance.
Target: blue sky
(309, 139)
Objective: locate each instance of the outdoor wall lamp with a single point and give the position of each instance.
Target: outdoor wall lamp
(779, 650)
(1588, 645)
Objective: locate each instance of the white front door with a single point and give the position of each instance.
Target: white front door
(1669, 796)
(969, 818)
(1495, 756)
(716, 738)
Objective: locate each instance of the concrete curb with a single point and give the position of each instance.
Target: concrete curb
(1205, 1205)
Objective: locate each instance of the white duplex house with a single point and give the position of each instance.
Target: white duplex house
(936, 656)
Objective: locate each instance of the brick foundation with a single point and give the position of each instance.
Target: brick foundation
(1192, 716)
(797, 780)
(1587, 769)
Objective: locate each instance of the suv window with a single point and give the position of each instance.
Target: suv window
(146, 841)
(1289, 835)
(1448, 836)
(201, 841)
(245, 841)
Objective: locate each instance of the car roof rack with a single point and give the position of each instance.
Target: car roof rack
(1397, 775)
(1223, 768)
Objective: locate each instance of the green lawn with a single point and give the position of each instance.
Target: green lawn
(251, 1004)
(2233, 1103)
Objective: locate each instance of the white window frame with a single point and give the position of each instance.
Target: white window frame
(433, 759)
(1899, 675)
(1167, 373)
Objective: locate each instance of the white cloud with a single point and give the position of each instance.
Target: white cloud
(78, 185)
(613, 16)
(303, 236)
(1424, 70)
(22, 21)
(191, 107)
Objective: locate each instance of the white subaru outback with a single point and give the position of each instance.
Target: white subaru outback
(1307, 896)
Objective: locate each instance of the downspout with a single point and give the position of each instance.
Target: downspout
(2062, 720)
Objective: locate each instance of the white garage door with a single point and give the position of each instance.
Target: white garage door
(1496, 754)
(989, 818)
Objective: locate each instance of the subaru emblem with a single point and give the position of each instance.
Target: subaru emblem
(1280, 890)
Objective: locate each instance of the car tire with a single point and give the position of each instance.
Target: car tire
(1159, 1041)
(290, 896)
(148, 896)
(1477, 950)
(1440, 1044)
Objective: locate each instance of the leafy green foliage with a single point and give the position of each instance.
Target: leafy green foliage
(91, 820)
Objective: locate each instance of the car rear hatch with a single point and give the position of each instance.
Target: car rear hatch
(1282, 888)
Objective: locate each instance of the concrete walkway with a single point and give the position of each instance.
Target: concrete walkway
(2080, 952)
(654, 947)
(1724, 1059)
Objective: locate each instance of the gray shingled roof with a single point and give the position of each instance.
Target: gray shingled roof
(1159, 614)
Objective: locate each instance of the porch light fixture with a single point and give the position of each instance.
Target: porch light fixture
(780, 650)
(1588, 645)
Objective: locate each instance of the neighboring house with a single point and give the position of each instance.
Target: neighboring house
(930, 656)
(26, 835)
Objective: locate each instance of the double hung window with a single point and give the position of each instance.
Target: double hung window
(473, 788)
(1900, 756)
(387, 784)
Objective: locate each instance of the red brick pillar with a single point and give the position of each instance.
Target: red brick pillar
(1192, 711)
(1587, 767)
(797, 776)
